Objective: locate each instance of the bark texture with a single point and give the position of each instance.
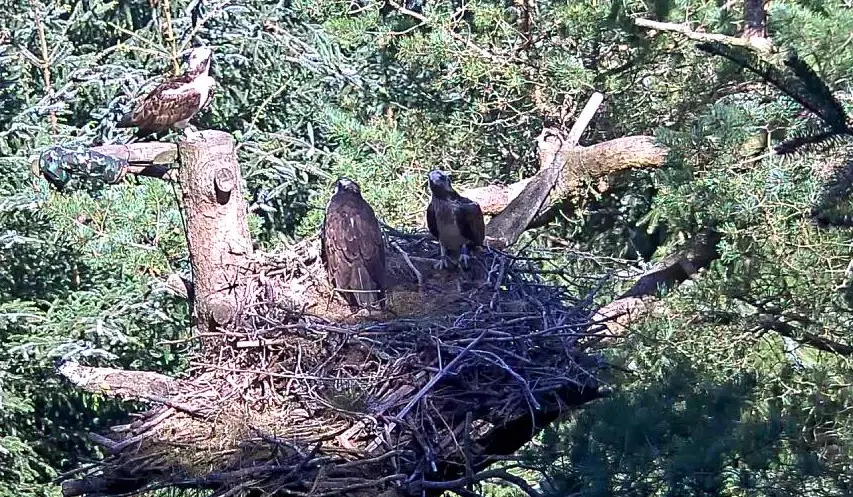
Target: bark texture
(579, 163)
(755, 15)
(217, 227)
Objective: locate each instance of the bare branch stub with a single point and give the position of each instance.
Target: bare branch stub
(217, 226)
(505, 228)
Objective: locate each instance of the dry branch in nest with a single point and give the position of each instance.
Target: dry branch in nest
(303, 397)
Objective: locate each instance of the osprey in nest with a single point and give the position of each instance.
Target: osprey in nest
(353, 248)
(176, 101)
(457, 222)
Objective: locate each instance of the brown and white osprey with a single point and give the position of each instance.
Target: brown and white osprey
(353, 249)
(176, 101)
(457, 222)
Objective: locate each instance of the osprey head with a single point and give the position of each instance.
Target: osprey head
(439, 183)
(198, 59)
(348, 185)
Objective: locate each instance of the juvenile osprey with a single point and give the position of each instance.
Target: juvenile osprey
(457, 222)
(353, 249)
(176, 101)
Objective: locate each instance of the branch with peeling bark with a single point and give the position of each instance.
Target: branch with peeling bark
(152, 159)
(121, 383)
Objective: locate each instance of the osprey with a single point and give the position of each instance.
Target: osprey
(457, 222)
(176, 101)
(353, 249)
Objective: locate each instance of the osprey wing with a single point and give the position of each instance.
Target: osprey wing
(355, 249)
(469, 218)
(432, 224)
(171, 102)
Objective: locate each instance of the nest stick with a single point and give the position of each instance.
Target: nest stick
(409, 262)
(414, 400)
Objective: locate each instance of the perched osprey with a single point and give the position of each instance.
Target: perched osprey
(457, 222)
(176, 101)
(353, 249)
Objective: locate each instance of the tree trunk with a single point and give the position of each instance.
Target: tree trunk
(755, 15)
(217, 228)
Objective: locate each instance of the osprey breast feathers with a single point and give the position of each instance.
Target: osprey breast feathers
(453, 219)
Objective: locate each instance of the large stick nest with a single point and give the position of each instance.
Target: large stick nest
(302, 397)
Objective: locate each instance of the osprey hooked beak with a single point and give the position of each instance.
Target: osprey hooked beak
(198, 60)
(439, 181)
(346, 184)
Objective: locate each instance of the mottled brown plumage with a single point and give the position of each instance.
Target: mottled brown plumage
(353, 248)
(176, 101)
(457, 222)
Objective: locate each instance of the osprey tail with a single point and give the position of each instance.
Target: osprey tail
(367, 293)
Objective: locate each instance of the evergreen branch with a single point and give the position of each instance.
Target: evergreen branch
(773, 323)
(482, 52)
(819, 142)
(771, 73)
(640, 299)
(837, 190)
(804, 86)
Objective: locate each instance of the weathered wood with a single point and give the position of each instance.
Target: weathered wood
(217, 226)
(756, 43)
(111, 382)
(151, 159)
(596, 161)
(505, 228)
(143, 153)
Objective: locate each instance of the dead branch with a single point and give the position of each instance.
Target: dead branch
(505, 228)
(151, 159)
(596, 161)
(640, 299)
(139, 385)
(755, 43)
(217, 226)
(142, 153)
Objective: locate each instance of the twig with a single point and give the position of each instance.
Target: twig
(431, 383)
(45, 66)
(409, 262)
(485, 475)
(169, 35)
